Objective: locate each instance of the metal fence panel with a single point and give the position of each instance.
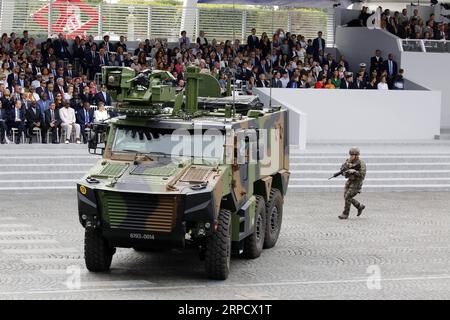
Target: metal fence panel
(218, 24)
(140, 22)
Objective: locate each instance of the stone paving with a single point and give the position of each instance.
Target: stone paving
(399, 249)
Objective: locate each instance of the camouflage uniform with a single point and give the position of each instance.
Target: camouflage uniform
(353, 185)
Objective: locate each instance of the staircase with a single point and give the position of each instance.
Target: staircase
(412, 166)
(43, 167)
(416, 166)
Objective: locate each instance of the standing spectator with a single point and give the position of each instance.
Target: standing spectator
(121, 44)
(103, 96)
(376, 61)
(90, 59)
(318, 44)
(391, 67)
(184, 39)
(252, 40)
(68, 123)
(61, 47)
(201, 40)
(107, 45)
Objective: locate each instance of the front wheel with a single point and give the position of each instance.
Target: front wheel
(97, 252)
(218, 248)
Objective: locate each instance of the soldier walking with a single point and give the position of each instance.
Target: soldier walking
(355, 172)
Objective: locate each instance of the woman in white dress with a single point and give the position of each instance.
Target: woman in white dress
(101, 114)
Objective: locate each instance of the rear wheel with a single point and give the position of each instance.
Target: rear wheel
(97, 252)
(218, 248)
(253, 244)
(274, 209)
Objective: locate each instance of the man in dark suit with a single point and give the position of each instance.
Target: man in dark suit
(276, 82)
(69, 72)
(16, 119)
(14, 76)
(392, 70)
(122, 44)
(101, 60)
(252, 40)
(33, 117)
(103, 96)
(42, 88)
(52, 121)
(61, 47)
(376, 61)
(318, 44)
(90, 59)
(85, 118)
(347, 83)
(108, 46)
(359, 83)
(321, 58)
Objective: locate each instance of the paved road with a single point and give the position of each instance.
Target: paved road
(403, 238)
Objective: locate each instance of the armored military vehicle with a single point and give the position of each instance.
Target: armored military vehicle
(192, 167)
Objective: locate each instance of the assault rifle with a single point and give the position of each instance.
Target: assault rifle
(344, 170)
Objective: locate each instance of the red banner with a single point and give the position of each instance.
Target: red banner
(69, 20)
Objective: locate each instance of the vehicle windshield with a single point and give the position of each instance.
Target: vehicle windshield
(172, 143)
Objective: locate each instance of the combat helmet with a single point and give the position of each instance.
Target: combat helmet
(354, 151)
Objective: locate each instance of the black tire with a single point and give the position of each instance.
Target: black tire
(218, 249)
(274, 209)
(97, 252)
(253, 244)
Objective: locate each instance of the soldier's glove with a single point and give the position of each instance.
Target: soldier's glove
(351, 171)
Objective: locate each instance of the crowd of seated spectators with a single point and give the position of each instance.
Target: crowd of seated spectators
(409, 27)
(51, 85)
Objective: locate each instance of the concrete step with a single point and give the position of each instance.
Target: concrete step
(41, 175)
(372, 181)
(388, 166)
(49, 159)
(38, 184)
(295, 188)
(31, 167)
(325, 174)
(338, 159)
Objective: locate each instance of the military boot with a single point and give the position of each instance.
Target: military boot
(343, 216)
(360, 209)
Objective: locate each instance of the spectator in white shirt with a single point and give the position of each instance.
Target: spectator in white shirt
(101, 114)
(68, 123)
(382, 85)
